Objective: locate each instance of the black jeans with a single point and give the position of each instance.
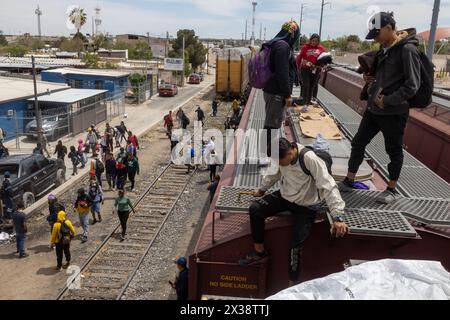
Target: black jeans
(131, 176)
(393, 128)
(212, 171)
(309, 81)
(123, 218)
(111, 179)
(99, 178)
(270, 205)
(60, 249)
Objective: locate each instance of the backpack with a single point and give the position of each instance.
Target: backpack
(259, 72)
(186, 120)
(424, 95)
(325, 156)
(99, 166)
(65, 236)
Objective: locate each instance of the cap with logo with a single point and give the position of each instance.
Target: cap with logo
(378, 21)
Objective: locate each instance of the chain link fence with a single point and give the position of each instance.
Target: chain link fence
(58, 122)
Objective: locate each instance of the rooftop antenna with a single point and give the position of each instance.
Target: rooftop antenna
(38, 12)
(98, 21)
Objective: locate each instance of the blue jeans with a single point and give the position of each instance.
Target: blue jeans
(84, 221)
(20, 241)
(96, 207)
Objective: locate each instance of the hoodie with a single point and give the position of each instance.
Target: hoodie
(309, 53)
(397, 75)
(57, 227)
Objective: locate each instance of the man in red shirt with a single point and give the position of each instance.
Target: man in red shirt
(168, 123)
(309, 72)
(133, 140)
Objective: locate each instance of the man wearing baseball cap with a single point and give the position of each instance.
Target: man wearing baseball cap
(181, 281)
(396, 80)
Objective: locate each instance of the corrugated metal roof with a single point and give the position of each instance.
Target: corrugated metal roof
(69, 96)
(91, 72)
(12, 89)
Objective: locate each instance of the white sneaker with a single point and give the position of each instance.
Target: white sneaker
(305, 109)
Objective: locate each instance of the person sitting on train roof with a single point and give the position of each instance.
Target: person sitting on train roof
(278, 89)
(395, 80)
(301, 194)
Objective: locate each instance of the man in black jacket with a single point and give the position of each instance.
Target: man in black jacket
(278, 90)
(396, 80)
(181, 282)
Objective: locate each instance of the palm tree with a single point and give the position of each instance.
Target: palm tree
(78, 18)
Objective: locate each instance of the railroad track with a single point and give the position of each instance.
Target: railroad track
(108, 271)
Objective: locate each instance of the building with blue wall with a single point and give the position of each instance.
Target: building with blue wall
(113, 81)
(14, 106)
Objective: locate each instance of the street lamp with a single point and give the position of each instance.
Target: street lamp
(321, 16)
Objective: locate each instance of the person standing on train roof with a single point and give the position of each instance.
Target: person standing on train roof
(278, 90)
(397, 79)
(309, 72)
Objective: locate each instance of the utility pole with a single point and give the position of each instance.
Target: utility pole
(321, 16)
(167, 42)
(300, 23)
(260, 32)
(182, 73)
(264, 34)
(254, 4)
(434, 22)
(245, 38)
(36, 105)
(38, 12)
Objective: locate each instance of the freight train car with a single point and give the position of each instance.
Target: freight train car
(232, 72)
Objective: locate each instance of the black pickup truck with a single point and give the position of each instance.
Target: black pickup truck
(32, 175)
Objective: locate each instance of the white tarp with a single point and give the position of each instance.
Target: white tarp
(377, 280)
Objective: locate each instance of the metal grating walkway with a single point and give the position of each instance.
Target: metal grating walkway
(416, 180)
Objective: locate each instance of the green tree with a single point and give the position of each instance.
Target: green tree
(16, 50)
(193, 48)
(141, 51)
(101, 41)
(78, 18)
(91, 60)
(353, 38)
(72, 45)
(3, 41)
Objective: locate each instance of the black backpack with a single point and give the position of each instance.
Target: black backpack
(325, 156)
(100, 167)
(424, 96)
(65, 236)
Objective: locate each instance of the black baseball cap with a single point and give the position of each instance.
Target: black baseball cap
(378, 21)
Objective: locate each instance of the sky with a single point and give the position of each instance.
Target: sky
(215, 18)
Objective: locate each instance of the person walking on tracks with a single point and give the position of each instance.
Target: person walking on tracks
(96, 196)
(132, 169)
(20, 227)
(278, 89)
(123, 206)
(168, 123)
(62, 234)
(306, 181)
(182, 280)
(184, 120)
(200, 115)
(121, 171)
(81, 206)
(133, 140)
(81, 153)
(60, 150)
(109, 136)
(53, 208)
(213, 187)
(215, 107)
(96, 170)
(397, 79)
(110, 168)
(122, 130)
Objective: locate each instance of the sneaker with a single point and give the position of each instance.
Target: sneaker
(345, 186)
(122, 237)
(252, 258)
(388, 196)
(83, 240)
(58, 268)
(66, 265)
(94, 221)
(24, 255)
(304, 109)
(99, 219)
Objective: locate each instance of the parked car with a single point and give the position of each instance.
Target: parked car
(53, 127)
(202, 76)
(194, 79)
(32, 175)
(168, 90)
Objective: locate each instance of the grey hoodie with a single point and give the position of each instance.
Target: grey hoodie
(397, 75)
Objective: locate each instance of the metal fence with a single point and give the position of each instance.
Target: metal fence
(58, 122)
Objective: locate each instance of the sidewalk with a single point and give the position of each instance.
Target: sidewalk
(139, 120)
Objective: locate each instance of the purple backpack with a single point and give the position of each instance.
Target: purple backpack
(259, 68)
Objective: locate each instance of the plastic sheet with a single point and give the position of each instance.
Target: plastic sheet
(377, 280)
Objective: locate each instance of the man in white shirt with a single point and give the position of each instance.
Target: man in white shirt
(300, 193)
